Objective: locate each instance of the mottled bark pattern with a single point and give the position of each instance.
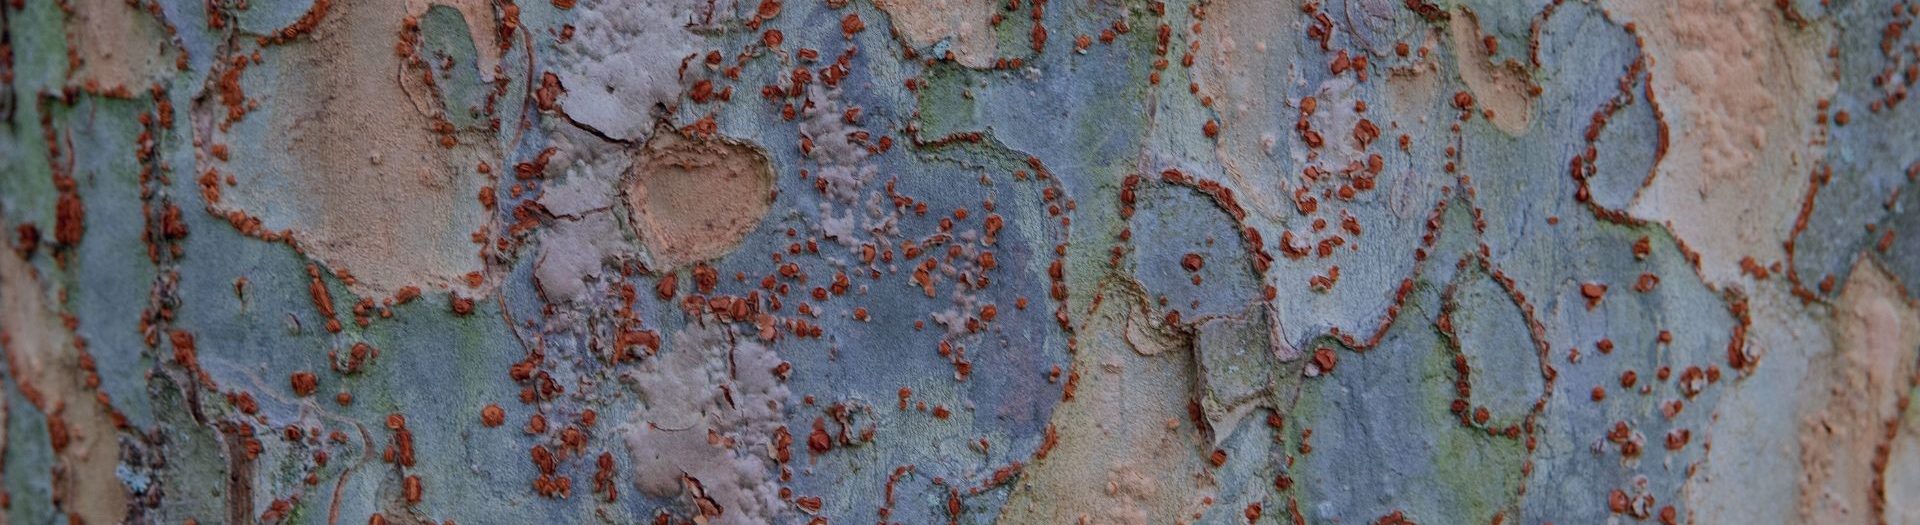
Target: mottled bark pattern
(959, 261)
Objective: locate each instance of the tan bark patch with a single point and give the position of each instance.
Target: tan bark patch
(118, 46)
(965, 22)
(46, 366)
(694, 198)
(1875, 333)
(385, 198)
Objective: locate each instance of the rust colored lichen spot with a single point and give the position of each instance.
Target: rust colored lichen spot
(461, 305)
(1593, 292)
(27, 240)
(492, 415)
(411, 490)
(1192, 262)
(304, 383)
(819, 442)
(1325, 359)
(1617, 501)
(694, 198)
(548, 95)
(666, 286)
(851, 25)
(70, 216)
(406, 295)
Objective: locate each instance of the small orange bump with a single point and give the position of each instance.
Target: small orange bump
(492, 415)
(304, 383)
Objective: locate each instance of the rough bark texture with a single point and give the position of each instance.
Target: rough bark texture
(959, 261)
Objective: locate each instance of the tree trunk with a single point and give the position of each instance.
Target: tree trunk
(962, 261)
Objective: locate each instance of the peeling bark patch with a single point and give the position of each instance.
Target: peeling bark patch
(623, 62)
(704, 438)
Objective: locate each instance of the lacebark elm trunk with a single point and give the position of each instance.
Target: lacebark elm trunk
(922, 261)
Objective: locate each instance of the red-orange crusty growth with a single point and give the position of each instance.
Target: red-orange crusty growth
(851, 25)
(411, 489)
(1593, 292)
(304, 383)
(492, 415)
(1463, 100)
(1325, 359)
